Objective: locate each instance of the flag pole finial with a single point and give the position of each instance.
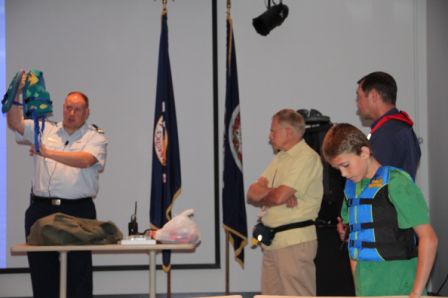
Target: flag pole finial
(164, 4)
(229, 6)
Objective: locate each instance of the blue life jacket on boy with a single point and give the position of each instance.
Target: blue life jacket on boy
(374, 232)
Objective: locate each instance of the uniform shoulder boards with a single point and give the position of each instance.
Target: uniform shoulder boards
(96, 128)
(51, 122)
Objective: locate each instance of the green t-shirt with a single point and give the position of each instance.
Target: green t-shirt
(387, 278)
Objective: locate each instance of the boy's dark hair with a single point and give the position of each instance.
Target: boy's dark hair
(343, 138)
(383, 83)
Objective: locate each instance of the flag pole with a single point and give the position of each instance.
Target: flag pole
(168, 273)
(227, 263)
(227, 278)
(166, 182)
(233, 202)
(168, 284)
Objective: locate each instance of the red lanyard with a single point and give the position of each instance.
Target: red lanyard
(400, 116)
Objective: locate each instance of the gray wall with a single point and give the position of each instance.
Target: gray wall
(437, 134)
(108, 48)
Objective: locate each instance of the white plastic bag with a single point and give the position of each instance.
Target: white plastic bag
(180, 229)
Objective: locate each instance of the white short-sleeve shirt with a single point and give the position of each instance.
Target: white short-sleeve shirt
(54, 179)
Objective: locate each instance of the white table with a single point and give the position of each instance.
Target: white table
(151, 249)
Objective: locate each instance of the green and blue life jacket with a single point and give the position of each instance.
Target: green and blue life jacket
(37, 104)
(374, 231)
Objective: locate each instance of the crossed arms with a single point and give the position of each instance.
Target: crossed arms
(260, 194)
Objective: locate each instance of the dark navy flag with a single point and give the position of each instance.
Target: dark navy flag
(166, 178)
(233, 199)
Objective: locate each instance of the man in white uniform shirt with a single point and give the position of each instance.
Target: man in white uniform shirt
(65, 179)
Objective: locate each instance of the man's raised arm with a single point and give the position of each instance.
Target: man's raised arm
(14, 115)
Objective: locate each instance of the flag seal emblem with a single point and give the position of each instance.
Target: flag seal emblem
(235, 143)
(160, 140)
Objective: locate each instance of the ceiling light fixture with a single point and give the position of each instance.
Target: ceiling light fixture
(271, 18)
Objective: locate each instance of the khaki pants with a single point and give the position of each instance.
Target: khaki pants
(290, 271)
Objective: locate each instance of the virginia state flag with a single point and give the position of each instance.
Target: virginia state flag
(233, 200)
(166, 178)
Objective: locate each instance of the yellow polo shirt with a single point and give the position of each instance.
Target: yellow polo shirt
(301, 169)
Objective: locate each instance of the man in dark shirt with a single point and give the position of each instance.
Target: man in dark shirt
(392, 137)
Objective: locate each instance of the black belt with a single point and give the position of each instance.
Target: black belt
(294, 225)
(265, 234)
(55, 201)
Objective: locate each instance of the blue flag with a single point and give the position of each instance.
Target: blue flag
(233, 200)
(166, 178)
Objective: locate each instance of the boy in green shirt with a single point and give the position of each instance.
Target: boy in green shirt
(383, 214)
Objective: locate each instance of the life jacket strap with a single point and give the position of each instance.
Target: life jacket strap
(367, 225)
(359, 201)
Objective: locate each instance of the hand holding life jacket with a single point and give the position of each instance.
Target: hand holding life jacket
(36, 100)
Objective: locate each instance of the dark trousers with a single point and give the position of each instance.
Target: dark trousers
(44, 266)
